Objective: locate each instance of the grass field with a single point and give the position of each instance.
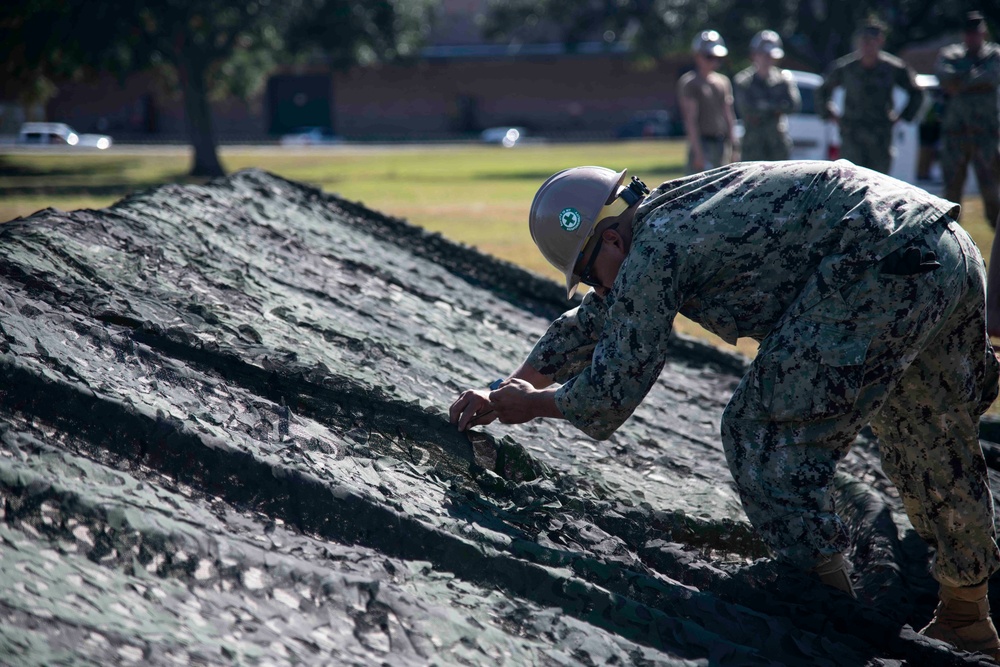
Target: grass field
(475, 194)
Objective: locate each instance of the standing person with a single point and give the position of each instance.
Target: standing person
(868, 77)
(970, 75)
(764, 93)
(868, 301)
(706, 99)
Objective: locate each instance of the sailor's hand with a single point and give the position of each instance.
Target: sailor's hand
(517, 401)
(472, 408)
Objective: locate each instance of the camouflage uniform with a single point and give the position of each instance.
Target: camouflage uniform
(971, 124)
(865, 124)
(868, 301)
(762, 102)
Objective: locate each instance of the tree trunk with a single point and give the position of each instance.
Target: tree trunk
(198, 114)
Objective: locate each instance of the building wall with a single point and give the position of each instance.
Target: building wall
(141, 109)
(594, 93)
(421, 100)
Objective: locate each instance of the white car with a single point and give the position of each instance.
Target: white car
(311, 136)
(816, 139)
(60, 134)
(505, 135)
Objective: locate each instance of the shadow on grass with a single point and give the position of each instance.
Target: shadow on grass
(59, 182)
(18, 169)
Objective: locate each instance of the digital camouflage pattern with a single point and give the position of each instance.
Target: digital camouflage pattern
(815, 260)
(971, 123)
(866, 121)
(762, 102)
(895, 350)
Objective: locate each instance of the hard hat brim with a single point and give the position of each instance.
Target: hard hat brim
(573, 280)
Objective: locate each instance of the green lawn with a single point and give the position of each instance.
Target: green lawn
(475, 194)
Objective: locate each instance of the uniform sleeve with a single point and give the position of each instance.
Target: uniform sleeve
(633, 344)
(791, 99)
(727, 87)
(986, 75)
(567, 345)
(907, 80)
(684, 88)
(741, 99)
(945, 68)
(832, 80)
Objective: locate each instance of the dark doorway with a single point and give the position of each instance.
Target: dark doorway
(299, 101)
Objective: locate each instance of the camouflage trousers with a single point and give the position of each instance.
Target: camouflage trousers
(765, 143)
(717, 152)
(867, 146)
(957, 151)
(909, 355)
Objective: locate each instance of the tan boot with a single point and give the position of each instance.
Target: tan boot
(962, 619)
(833, 572)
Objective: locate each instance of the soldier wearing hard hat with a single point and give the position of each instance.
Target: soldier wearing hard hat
(706, 101)
(867, 299)
(764, 95)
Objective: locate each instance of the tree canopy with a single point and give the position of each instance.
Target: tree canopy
(816, 32)
(203, 46)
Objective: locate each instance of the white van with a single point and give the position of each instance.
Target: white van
(816, 139)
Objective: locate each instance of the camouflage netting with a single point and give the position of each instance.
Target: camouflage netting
(224, 440)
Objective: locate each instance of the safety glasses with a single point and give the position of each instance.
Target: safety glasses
(586, 276)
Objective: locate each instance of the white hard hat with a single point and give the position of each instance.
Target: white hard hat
(709, 43)
(769, 42)
(567, 208)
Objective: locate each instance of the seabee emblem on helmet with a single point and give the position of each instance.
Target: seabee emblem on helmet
(569, 219)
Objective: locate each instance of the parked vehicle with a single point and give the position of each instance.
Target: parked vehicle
(816, 139)
(506, 136)
(653, 123)
(310, 136)
(60, 134)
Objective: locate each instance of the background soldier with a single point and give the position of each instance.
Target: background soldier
(868, 77)
(764, 94)
(868, 301)
(970, 75)
(706, 99)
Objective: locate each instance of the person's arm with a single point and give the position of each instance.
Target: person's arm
(948, 74)
(824, 103)
(792, 93)
(906, 79)
(731, 118)
(633, 346)
(689, 110)
(478, 407)
(985, 76)
(993, 289)
(563, 349)
(742, 99)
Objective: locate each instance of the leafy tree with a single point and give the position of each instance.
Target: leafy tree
(204, 47)
(816, 32)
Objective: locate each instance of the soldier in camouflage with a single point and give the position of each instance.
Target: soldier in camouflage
(764, 94)
(970, 75)
(868, 303)
(868, 77)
